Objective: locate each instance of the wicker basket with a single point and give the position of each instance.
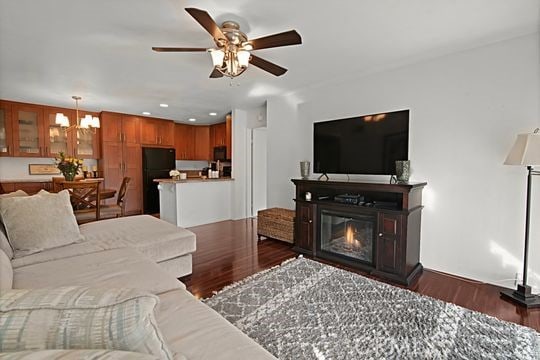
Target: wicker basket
(276, 223)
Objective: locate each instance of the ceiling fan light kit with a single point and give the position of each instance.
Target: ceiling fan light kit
(232, 54)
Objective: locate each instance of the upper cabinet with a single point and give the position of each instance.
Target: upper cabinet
(157, 132)
(57, 139)
(202, 143)
(28, 130)
(85, 144)
(220, 135)
(6, 133)
(184, 141)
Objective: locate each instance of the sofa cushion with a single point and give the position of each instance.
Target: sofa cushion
(38, 222)
(197, 331)
(4, 244)
(107, 269)
(81, 318)
(6, 273)
(155, 238)
(77, 355)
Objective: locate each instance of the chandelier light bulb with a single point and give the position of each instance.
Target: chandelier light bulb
(243, 58)
(217, 57)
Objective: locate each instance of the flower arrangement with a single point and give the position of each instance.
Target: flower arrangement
(175, 174)
(69, 166)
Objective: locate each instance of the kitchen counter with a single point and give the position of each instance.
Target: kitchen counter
(195, 201)
(192, 180)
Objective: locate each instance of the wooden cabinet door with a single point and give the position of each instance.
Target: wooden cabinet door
(6, 130)
(228, 135)
(184, 141)
(131, 129)
(166, 133)
(86, 141)
(28, 132)
(304, 227)
(111, 127)
(202, 143)
(149, 131)
(112, 164)
(132, 166)
(389, 243)
(57, 139)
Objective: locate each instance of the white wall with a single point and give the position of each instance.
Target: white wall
(466, 110)
(286, 141)
(239, 204)
(258, 170)
(16, 168)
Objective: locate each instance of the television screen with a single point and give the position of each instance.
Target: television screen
(368, 144)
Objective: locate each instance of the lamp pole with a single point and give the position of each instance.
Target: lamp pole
(523, 295)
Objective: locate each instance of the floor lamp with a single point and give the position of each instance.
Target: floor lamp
(525, 152)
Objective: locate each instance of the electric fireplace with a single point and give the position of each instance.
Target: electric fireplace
(346, 235)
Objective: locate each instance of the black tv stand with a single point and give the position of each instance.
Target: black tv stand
(396, 212)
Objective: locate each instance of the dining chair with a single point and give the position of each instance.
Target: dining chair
(58, 180)
(118, 209)
(85, 199)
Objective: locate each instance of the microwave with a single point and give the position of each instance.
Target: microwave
(220, 153)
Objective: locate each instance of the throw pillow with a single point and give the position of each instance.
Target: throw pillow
(4, 244)
(6, 273)
(39, 222)
(81, 318)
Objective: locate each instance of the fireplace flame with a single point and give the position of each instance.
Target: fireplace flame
(349, 235)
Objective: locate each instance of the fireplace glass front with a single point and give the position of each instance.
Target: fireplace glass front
(347, 235)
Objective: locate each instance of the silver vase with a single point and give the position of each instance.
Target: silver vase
(305, 169)
(403, 170)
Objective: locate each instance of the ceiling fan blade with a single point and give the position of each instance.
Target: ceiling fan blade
(206, 21)
(267, 65)
(286, 38)
(215, 74)
(176, 49)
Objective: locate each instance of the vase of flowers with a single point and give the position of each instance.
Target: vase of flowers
(69, 166)
(174, 174)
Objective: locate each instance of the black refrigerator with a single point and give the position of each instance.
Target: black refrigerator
(157, 162)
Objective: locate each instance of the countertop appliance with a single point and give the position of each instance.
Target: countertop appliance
(157, 162)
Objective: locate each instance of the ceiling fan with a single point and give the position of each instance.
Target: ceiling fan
(232, 53)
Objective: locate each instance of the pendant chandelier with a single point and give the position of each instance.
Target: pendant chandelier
(87, 123)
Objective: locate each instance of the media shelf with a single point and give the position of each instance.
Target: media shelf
(324, 222)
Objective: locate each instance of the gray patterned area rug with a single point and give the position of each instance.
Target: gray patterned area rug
(307, 310)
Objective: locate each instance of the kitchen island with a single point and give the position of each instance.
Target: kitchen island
(195, 201)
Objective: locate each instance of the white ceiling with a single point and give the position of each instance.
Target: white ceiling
(101, 49)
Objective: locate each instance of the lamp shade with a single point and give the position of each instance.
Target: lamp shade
(217, 57)
(243, 58)
(526, 150)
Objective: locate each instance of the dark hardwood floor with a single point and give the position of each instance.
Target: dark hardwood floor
(228, 251)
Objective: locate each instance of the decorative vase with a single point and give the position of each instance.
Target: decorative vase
(69, 175)
(403, 170)
(304, 169)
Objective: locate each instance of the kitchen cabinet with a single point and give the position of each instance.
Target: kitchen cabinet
(85, 143)
(28, 130)
(202, 143)
(157, 132)
(122, 156)
(305, 227)
(218, 132)
(184, 141)
(228, 135)
(80, 143)
(6, 132)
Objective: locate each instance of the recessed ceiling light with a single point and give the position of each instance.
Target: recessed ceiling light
(146, 113)
(164, 105)
(212, 114)
(192, 119)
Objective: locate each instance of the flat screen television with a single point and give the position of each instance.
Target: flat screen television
(368, 144)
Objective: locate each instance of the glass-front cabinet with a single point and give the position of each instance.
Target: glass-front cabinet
(28, 139)
(86, 141)
(6, 134)
(57, 138)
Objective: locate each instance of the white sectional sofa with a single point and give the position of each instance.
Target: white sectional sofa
(139, 252)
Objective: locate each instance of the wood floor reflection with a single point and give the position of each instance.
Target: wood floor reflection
(228, 251)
